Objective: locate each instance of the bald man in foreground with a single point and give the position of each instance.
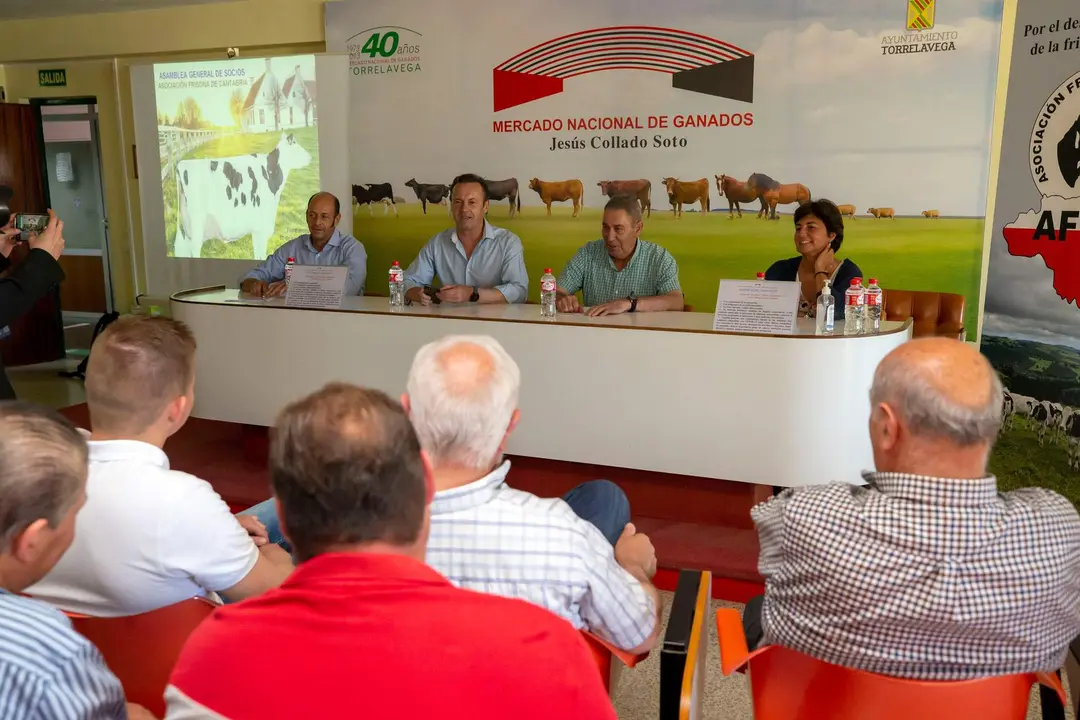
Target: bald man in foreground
(927, 571)
(323, 245)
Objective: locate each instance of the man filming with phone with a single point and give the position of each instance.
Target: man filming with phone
(31, 279)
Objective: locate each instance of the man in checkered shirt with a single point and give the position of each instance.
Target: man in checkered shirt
(620, 273)
(578, 556)
(927, 571)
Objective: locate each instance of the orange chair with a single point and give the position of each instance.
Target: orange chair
(785, 684)
(935, 314)
(141, 650)
(603, 652)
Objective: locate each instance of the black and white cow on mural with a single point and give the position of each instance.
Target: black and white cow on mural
(1040, 413)
(1007, 409)
(1072, 437)
(229, 198)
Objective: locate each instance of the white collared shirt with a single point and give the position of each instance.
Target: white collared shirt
(147, 537)
(488, 537)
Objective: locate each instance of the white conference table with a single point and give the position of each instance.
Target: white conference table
(660, 392)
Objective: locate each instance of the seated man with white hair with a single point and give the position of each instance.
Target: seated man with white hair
(578, 556)
(927, 571)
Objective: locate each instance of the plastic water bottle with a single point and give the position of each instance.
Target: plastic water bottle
(761, 276)
(547, 294)
(875, 300)
(826, 311)
(854, 307)
(397, 285)
(288, 270)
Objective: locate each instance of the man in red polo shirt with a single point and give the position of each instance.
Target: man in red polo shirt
(363, 628)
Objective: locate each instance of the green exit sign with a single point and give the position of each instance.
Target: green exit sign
(52, 78)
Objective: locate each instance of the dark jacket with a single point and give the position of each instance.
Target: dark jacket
(789, 270)
(20, 291)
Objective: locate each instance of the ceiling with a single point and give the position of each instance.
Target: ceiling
(13, 9)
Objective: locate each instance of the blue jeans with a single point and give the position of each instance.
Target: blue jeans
(601, 502)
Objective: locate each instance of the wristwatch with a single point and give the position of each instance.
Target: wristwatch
(633, 302)
(475, 297)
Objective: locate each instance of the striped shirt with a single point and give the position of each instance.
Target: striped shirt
(920, 577)
(488, 537)
(47, 670)
(651, 271)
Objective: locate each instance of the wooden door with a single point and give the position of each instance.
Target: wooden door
(37, 336)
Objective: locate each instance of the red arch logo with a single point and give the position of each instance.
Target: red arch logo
(696, 63)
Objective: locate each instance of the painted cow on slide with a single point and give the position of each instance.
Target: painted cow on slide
(229, 198)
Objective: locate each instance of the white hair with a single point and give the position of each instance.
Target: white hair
(462, 412)
(930, 413)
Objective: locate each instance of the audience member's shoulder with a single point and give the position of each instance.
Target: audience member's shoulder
(512, 620)
(810, 498)
(1046, 504)
(43, 629)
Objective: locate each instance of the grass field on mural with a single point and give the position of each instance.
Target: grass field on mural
(1018, 462)
(909, 253)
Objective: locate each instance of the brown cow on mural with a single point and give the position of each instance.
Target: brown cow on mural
(931, 214)
(640, 189)
(775, 193)
(847, 211)
(687, 193)
(559, 191)
(882, 213)
(737, 192)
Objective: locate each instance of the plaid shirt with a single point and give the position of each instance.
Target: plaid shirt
(491, 538)
(651, 271)
(920, 577)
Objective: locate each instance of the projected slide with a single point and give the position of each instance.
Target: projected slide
(239, 154)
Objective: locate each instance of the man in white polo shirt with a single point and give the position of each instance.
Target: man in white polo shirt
(150, 536)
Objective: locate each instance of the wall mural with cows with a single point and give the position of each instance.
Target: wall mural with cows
(1031, 326)
(719, 116)
(239, 154)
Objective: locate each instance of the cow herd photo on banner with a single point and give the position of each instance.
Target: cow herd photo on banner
(1031, 321)
(720, 122)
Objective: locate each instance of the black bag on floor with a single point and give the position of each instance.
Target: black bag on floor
(103, 322)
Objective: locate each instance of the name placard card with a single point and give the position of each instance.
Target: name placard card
(316, 286)
(757, 306)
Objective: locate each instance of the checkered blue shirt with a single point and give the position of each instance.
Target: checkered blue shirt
(491, 538)
(919, 577)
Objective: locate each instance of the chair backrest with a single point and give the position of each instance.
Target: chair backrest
(142, 650)
(788, 684)
(934, 313)
(605, 654)
(686, 644)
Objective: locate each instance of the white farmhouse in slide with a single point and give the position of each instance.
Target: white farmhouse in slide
(273, 106)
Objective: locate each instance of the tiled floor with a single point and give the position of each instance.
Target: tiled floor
(637, 694)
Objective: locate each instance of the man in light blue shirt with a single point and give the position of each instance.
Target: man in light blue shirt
(325, 245)
(47, 670)
(474, 260)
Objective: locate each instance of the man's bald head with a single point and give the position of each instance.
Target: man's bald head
(941, 389)
(462, 394)
(323, 215)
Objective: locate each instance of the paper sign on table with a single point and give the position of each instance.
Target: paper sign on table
(757, 306)
(316, 286)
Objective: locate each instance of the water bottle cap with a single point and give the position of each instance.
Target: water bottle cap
(761, 276)
(291, 259)
(547, 271)
(395, 264)
(856, 281)
(873, 281)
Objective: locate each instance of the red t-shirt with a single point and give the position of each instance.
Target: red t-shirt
(383, 636)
